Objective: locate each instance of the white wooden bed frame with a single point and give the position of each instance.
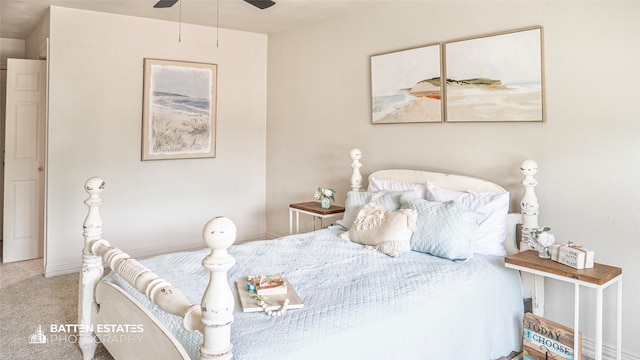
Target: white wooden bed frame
(105, 303)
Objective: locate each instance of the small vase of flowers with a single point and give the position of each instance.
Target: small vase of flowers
(544, 240)
(325, 196)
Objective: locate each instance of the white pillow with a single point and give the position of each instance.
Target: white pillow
(492, 232)
(388, 232)
(392, 185)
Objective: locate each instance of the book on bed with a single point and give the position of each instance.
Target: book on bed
(267, 284)
(274, 301)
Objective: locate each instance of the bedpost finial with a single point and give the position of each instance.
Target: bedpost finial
(219, 233)
(94, 185)
(217, 301)
(529, 167)
(529, 205)
(355, 154)
(356, 177)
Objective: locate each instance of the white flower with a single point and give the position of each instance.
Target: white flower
(322, 193)
(546, 239)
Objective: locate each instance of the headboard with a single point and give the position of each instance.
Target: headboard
(452, 182)
(460, 183)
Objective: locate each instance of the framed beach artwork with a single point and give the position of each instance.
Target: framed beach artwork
(179, 111)
(405, 86)
(496, 77)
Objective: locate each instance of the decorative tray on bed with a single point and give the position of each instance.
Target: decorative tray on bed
(274, 301)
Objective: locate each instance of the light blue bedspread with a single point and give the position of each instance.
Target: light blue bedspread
(359, 304)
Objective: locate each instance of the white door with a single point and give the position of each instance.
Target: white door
(23, 235)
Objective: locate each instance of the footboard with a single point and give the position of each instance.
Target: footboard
(213, 317)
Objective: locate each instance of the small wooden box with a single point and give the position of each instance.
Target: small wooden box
(543, 339)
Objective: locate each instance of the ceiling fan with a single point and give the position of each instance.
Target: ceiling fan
(260, 4)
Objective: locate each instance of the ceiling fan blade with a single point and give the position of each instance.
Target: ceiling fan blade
(261, 4)
(165, 3)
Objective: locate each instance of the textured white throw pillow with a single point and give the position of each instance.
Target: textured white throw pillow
(493, 226)
(390, 200)
(388, 232)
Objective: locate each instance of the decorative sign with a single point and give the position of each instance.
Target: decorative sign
(543, 339)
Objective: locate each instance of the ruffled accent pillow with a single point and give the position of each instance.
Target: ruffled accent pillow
(390, 200)
(493, 226)
(388, 232)
(443, 229)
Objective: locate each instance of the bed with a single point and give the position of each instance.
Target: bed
(368, 292)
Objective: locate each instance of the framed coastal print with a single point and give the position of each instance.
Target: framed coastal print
(179, 110)
(405, 86)
(496, 77)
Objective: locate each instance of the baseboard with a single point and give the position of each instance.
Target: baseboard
(271, 236)
(251, 237)
(608, 351)
(62, 268)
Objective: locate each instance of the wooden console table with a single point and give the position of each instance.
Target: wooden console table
(599, 277)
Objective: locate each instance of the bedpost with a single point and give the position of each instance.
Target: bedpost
(218, 302)
(529, 204)
(533, 286)
(92, 269)
(356, 177)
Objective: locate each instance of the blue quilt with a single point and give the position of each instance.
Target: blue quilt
(358, 304)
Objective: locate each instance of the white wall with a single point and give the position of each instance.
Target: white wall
(11, 49)
(95, 114)
(36, 42)
(588, 151)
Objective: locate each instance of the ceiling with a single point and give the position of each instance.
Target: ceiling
(18, 18)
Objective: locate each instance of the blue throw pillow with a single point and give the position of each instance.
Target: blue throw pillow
(444, 229)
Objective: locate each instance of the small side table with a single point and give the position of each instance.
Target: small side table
(314, 209)
(599, 277)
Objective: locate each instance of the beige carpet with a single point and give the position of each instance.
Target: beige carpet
(29, 300)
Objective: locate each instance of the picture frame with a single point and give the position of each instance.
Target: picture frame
(496, 77)
(179, 110)
(406, 87)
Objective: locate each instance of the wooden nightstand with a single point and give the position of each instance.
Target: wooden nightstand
(599, 277)
(314, 209)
